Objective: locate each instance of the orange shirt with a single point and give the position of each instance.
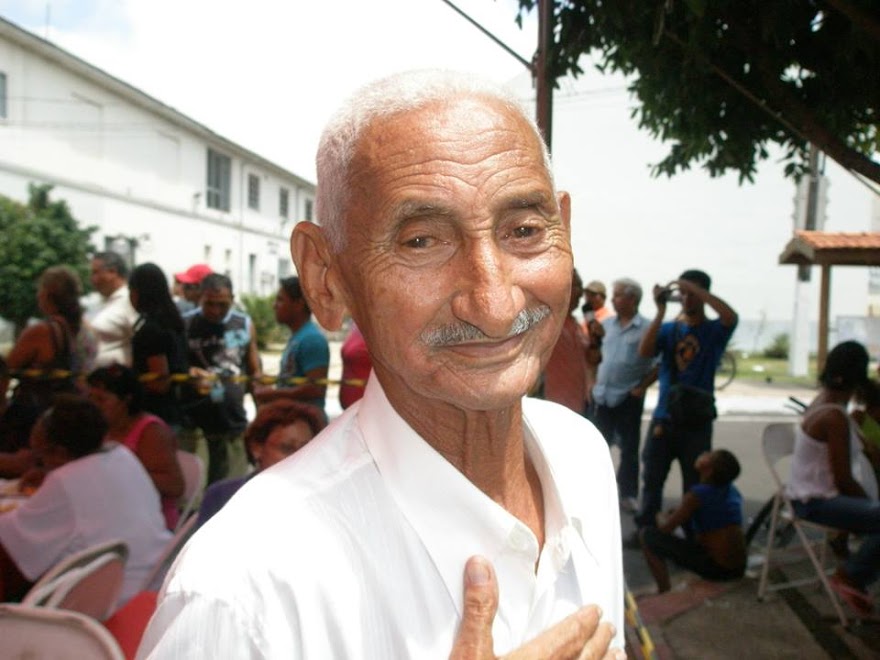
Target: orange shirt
(565, 377)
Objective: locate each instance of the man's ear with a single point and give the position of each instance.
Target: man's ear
(318, 275)
(564, 201)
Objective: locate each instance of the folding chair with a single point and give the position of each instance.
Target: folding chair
(194, 477)
(154, 580)
(778, 444)
(39, 633)
(88, 581)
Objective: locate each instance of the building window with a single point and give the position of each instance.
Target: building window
(309, 210)
(2, 95)
(219, 177)
(254, 192)
(282, 202)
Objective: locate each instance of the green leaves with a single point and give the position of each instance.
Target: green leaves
(720, 81)
(36, 235)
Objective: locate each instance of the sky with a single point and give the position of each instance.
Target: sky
(267, 75)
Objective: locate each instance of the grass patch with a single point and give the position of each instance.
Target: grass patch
(755, 367)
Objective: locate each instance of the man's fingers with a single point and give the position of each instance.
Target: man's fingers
(569, 639)
(474, 638)
(597, 648)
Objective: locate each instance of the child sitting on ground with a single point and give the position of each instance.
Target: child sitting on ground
(713, 510)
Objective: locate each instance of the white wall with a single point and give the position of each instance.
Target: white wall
(136, 173)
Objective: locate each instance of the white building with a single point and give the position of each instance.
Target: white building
(158, 185)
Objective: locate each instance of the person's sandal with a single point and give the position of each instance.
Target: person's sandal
(858, 601)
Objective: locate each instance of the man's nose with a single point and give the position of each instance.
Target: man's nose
(487, 296)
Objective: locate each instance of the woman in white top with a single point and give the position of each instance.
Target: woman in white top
(823, 486)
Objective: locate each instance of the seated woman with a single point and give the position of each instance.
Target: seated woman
(823, 487)
(119, 395)
(91, 494)
(713, 509)
(279, 429)
(61, 342)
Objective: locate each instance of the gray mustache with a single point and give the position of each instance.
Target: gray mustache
(462, 332)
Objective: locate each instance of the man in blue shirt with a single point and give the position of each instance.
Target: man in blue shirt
(690, 348)
(306, 358)
(623, 378)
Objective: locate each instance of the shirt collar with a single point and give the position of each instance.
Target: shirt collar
(451, 516)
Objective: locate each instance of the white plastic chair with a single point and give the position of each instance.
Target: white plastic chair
(38, 633)
(778, 444)
(88, 581)
(154, 580)
(194, 477)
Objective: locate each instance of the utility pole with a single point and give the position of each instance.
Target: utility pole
(809, 215)
(541, 71)
(539, 67)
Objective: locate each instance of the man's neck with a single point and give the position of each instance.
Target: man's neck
(624, 320)
(488, 448)
(694, 317)
(114, 291)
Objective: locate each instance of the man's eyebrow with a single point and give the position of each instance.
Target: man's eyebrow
(526, 200)
(414, 208)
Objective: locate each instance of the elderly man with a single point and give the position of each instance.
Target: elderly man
(444, 238)
(623, 378)
(114, 318)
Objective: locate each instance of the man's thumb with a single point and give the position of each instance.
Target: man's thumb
(474, 639)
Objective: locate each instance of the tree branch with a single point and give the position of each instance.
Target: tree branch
(860, 19)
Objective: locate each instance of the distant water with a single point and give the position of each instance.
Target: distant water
(753, 336)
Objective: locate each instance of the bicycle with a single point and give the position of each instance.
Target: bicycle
(726, 371)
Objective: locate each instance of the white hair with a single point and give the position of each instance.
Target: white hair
(630, 288)
(398, 93)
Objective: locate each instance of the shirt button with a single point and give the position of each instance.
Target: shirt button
(519, 539)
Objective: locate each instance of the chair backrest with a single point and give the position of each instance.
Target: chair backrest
(39, 633)
(194, 477)
(53, 579)
(157, 573)
(777, 442)
(92, 589)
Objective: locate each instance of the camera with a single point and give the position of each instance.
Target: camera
(669, 294)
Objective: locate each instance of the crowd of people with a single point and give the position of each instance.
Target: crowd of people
(147, 369)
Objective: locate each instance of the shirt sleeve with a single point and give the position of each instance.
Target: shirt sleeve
(190, 625)
(314, 353)
(41, 531)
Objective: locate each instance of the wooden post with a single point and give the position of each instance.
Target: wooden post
(824, 297)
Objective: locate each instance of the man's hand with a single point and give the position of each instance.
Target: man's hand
(579, 636)
(660, 295)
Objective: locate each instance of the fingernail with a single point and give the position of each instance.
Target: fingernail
(477, 573)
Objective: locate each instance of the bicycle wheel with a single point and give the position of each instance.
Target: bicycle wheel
(726, 371)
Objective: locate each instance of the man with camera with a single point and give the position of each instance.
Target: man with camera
(690, 348)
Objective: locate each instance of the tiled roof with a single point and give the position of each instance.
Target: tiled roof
(833, 249)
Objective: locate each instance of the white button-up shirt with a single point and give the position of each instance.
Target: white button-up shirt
(355, 547)
(113, 322)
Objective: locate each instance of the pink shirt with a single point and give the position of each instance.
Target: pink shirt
(132, 440)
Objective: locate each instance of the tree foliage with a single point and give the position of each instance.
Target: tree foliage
(722, 80)
(36, 235)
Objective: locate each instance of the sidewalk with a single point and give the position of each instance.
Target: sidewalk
(700, 619)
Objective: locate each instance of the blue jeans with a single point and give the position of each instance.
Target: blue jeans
(624, 422)
(854, 514)
(666, 443)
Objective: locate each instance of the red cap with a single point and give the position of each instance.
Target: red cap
(194, 274)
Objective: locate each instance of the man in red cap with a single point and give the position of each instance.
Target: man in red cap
(186, 286)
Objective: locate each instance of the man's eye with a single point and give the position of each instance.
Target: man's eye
(418, 242)
(524, 231)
